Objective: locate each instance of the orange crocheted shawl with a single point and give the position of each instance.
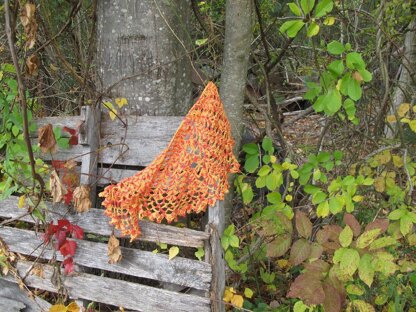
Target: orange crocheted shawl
(188, 176)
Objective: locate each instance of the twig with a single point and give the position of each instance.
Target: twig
(409, 178)
(23, 104)
(262, 34)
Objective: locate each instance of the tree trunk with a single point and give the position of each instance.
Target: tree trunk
(406, 86)
(238, 35)
(139, 55)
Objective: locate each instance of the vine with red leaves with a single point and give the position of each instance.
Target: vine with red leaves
(58, 234)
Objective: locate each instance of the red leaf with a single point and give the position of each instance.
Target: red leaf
(303, 224)
(68, 248)
(60, 237)
(69, 130)
(68, 197)
(333, 300)
(58, 164)
(73, 140)
(63, 223)
(301, 249)
(50, 230)
(77, 232)
(68, 265)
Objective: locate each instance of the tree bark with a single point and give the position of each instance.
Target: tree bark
(405, 91)
(139, 55)
(238, 35)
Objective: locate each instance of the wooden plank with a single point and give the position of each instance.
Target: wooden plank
(12, 291)
(59, 121)
(145, 136)
(179, 271)
(115, 292)
(113, 175)
(89, 137)
(94, 221)
(214, 254)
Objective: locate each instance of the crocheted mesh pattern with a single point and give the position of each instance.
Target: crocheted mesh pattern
(188, 176)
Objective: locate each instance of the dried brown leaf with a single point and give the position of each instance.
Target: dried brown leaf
(70, 164)
(58, 190)
(303, 225)
(381, 224)
(308, 288)
(333, 300)
(279, 246)
(352, 222)
(46, 139)
(38, 270)
(113, 250)
(32, 63)
(300, 251)
(81, 198)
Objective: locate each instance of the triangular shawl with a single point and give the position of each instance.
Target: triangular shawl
(188, 176)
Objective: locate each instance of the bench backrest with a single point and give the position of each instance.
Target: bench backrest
(108, 151)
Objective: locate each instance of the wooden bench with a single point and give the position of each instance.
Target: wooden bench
(107, 156)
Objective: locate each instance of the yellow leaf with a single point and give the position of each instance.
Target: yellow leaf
(22, 200)
(391, 119)
(379, 184)
(121, 102)
(111, 110)
(283, 263)
(53, 67)
(57, 308)
(237, 301)
(72, 307)
(273, 159)
(248, 293)
(383, 158)
(397, 161)
(288, 198)
(412, 125)
(403, 109)
(228, 294)
(173, 252)
(358, 198)
(329, 21)
(414, 108)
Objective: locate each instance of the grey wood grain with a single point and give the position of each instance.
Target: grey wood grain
(179, 271)
(89, 137)
(94, 221)
(115, 292)
(113, 175)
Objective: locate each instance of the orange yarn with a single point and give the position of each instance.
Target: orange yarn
(189, 175)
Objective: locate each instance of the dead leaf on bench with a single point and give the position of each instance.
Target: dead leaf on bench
(46, 139)
(114, 251)
(81, 198)
(70, 164)
(58, 190)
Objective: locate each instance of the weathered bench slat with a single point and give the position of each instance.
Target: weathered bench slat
(109, 175)
(180, 271)
(94, 221)
(115, 292)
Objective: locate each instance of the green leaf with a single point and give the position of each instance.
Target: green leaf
(274, 197)
(267, 145)
(354, 60)
(367, 238)
(225, 242)
(332, 101)
(261, 182)
(365, 74)
(264, 171)
(274, 180)
(397, 214)
(354, 89)
(229, 230)
(349, 261)
(248, 293)
(323, 209)
(251, 149)
(291, 28)
(406, 225)
(383, 242)
(335, 47)
(313, 30)
(234, 241)
(366, 269)
(335, 204)
(252, 163)
(200, 253)
(354, 290)
(247, 195)
(15, 130)
(307, 5)
(336, 67)
(323, 8)
(294, 9)
(200, 42)
(345, 237)
(318, 197)
(350, 109)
